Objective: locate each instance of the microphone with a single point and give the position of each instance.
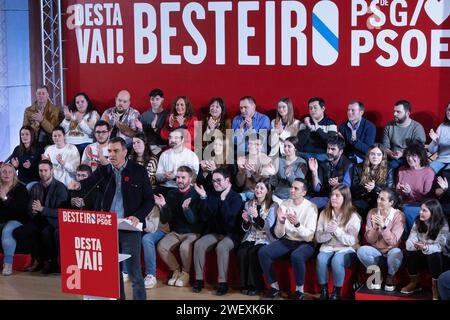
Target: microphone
(107, 186)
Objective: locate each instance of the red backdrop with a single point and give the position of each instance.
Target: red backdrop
(378, 87)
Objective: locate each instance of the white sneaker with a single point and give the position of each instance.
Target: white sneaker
(125, 277)
(7, 269)
(150, 281)
(183, 280)
(174, 278)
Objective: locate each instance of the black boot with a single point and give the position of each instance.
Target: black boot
(336, 295)
(198, 286)
(324, 291)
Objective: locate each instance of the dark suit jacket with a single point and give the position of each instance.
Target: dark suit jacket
(365, 138)
(57, 197)
(137, 191)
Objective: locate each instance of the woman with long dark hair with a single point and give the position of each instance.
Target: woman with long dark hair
(258, 218)
(216, 122)
(142, 154)
(384, 230)
(337, 232)
(26, 156)
(79, 121)
(425, 245)
(370, 177)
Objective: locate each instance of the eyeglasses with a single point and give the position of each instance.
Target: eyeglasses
(101, 132)
(217, 180)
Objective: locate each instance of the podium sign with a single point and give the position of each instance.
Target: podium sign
(89, 253)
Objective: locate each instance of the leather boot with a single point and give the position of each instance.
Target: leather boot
(324, 291)
(412, 286)
(434, 289)
(336, 294)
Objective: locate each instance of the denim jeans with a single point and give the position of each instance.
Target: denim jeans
(130, 243)
(149, 241)
(411, 210)
(339, 261)
(444, 285)
(299, 252)
(369, 256)
(8, 241)
(438, 166)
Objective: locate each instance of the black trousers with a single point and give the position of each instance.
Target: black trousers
(249, 267)
(39, 238)
(416, 260)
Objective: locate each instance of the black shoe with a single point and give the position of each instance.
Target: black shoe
(222, 289)
(324, 291)
(47, 267)
(273, 294)
(297, 295)
(336, 295)
(35, 266)
(244, 290)
(198, 286)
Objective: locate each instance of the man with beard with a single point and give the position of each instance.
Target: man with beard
(122, 118)
(327, 174)
(181, 210)
(170, 160)
(401, 132)
(41, 234)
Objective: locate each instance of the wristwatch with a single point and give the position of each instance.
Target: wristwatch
(383, 227)
(297, 225)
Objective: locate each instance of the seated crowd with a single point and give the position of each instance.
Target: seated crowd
(263, 189)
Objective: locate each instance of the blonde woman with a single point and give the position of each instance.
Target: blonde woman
(13, 212)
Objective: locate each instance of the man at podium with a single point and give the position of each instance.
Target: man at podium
(124, 188)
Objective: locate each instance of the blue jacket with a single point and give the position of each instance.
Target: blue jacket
(365, 137)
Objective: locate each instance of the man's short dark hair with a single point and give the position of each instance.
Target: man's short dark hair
(85, 168)
(186, 169)
(336, 140)
(101, 123)
(249, 98)
(222, 171)
(359, 103)
(45, 161)
(319, 100)
(406, 105)
(59, 128)
(119, 140)
(305, 183)
(156, 92)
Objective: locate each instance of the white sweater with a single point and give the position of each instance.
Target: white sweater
(71, 158)
(343, 239)
(306, 214)
(171, 161)
(82, 132)
(90, 155)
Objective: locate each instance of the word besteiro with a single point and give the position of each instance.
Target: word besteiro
(90, 20)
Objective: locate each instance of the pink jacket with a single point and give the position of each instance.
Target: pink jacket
(385, 240)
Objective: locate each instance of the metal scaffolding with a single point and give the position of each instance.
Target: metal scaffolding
(52, 57)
